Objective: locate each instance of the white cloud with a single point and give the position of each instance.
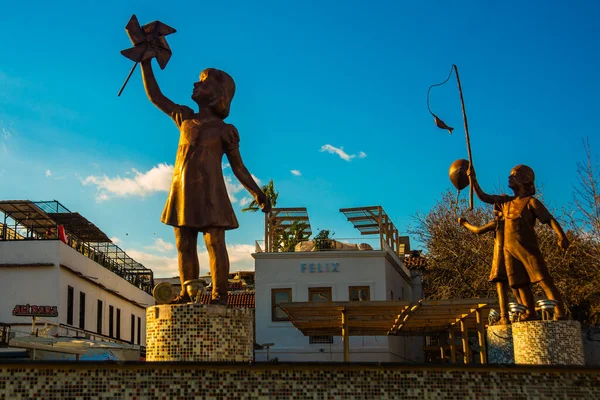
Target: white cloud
(340, 152)
(245, 201)
(165, 267)
(48, 172)
(5, 135)
(296, 172)
(116, 240)
(160, 245)
(157, 179)
(233, 187)
(225, 165)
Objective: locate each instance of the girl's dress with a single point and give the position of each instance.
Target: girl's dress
(198, 197)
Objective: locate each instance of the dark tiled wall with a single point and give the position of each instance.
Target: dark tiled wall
(296, 381)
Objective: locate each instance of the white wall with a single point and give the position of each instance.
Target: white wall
(29, 251)
(27, 285)
(284, 270)
(93, 293)
(74, 260)
(34, 285)
(48, 285)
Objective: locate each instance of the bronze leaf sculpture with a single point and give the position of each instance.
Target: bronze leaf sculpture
(198, 200)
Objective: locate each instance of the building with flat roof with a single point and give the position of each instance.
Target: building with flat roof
(62, 278)
(327, 270)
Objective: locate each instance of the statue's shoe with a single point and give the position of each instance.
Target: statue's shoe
(182, 299)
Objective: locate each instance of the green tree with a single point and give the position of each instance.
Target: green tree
(269, 190)
(288, 238)
(323, 240)
(272, 194)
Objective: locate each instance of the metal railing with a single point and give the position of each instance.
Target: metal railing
(330, 244)
(107, 255)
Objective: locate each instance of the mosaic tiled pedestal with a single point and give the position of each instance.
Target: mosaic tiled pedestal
(500, 344)
(196, 332)
(548, 342)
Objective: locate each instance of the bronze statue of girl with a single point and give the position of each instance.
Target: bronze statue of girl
(198, 199)
(524, 261)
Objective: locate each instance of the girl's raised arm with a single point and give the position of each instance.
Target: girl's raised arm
(153, 91)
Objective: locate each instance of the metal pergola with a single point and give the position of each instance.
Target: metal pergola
(280, 220)
(373, 220)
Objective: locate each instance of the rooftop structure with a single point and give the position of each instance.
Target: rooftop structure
(46, 220)
(289, 230)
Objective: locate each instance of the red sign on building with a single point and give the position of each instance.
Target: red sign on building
(27, 310)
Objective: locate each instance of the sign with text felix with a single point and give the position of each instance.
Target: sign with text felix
(318, 267)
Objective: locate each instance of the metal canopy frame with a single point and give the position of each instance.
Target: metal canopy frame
(79, 226)
(27, 215)
(392, 318)
(281, 219)
(373, 220)
(39, 220)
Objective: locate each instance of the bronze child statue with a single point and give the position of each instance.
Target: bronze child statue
(521, 249)
(198, 199)
(498, 273)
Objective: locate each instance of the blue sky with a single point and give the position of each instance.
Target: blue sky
(308, 74)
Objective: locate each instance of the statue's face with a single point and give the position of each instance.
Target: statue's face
(205, 90)
(512, 179)
(517, 177)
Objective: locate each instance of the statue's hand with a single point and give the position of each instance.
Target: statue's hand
(563, 243)
(264, 202)
(462, 221)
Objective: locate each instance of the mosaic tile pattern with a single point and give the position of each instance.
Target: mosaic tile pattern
(196, 332)
(500, 344)
(292, 381)
(548, 342)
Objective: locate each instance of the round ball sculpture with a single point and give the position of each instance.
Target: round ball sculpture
(458, 174)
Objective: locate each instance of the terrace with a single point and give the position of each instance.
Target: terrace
(289, 230)
(46, 220)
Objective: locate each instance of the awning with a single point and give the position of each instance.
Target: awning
(80, 227)
(379, 318)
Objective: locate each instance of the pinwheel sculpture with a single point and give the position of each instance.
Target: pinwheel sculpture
(148, 42)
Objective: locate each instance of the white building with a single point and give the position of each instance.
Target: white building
(352, 273)
(82, 286)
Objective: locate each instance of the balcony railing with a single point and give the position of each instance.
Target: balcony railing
(331, 244)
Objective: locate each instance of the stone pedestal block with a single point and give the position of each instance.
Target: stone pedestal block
(500, 344)
(196, 332)
(548, 342)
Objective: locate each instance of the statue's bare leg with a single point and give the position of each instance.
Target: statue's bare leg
(219, 264)
(502, 288)
(526, 296)
(186, 241)
(553, 294)
(517, 295)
